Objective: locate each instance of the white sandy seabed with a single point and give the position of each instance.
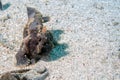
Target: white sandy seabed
(88, 33)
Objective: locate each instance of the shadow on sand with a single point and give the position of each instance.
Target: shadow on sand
(59, 50)
(5, 6)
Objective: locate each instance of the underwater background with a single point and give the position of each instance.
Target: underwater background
(87, 32)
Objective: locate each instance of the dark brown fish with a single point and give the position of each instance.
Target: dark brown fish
(37, 40)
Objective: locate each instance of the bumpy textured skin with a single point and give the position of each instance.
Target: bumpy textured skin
(37, 40)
